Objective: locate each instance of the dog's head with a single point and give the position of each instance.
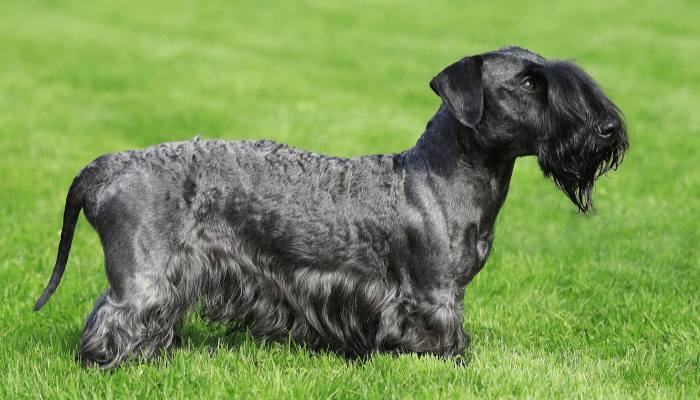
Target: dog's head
(519, 103)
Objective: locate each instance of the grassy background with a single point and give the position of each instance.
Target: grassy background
(567, 306)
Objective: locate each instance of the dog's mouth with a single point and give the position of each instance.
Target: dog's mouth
(574, 166)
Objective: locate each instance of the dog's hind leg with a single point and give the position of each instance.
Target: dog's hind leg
(141, 313)
(135, 326)
(129, 328)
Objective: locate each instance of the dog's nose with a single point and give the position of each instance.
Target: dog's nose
(609, 127)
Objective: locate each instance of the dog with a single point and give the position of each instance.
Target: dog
(355, 256)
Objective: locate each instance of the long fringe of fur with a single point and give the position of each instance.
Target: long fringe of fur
(328, 310)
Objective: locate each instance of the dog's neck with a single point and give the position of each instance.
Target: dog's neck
(452, 179)
(460, 169)
(448, 148)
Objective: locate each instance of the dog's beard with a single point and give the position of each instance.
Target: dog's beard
(574, 166)
(575, 154)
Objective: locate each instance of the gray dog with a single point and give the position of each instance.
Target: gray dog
(356, 256)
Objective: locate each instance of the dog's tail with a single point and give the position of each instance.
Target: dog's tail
(74, 203)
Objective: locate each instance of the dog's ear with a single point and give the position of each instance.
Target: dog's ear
(459, 87)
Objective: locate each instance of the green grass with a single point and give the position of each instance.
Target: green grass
(568, 306)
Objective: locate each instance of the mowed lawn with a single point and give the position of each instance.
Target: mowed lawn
(568, 306)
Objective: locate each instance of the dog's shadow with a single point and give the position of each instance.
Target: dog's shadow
(212, 339)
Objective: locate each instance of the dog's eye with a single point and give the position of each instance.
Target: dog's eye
(528, 85)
